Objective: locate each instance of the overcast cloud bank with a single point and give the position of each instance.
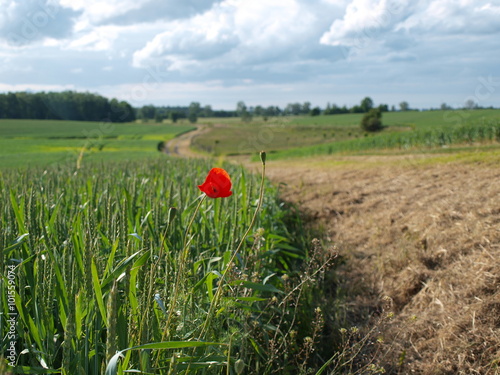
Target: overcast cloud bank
(268, 53)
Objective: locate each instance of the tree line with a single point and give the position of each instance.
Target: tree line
(174, 113)
(295, 109)
(195, 110)
(71, 105)
(66, 105)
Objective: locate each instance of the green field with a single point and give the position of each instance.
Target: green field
(111, 258)
(307, 136)
(128, 256)
(40, 142)
(36, 142)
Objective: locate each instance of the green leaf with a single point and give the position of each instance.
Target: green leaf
(98, 293)
(266, 279)
(18, 242)
(122, 265)
(111, 258)
(112, 367)
(135, 235)
(209, 283)
(175, 345)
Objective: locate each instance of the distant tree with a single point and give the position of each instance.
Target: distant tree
(470, 104)
(223, 113)
(356, 109)
(272, 111)
(193, 112)
(259, 111)
(120, 111)
(404, 106)
(288, 109)
(316, 111)
(207, 111)
(334, 110)
(241, 108)
(327, 109)
(383, 108)
(158, 117)
(445, 107)
(366, 104)
(2, 106)
(147, 112)
(13, 109)
(242, 111)
(393, 108)
(174, 116)
(296, 109)
(66, 105)
(161, 146)
(192, 117)
(306, 108)
(372, 121)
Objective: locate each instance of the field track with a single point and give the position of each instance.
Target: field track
(180, 146)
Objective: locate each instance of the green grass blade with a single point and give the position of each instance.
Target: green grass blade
(98, 293)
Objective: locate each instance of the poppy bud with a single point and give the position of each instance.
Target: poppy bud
(263, 157)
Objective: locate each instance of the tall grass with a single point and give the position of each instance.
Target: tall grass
(120, 267)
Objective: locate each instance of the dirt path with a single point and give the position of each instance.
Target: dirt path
(422, 236)
(180, 146)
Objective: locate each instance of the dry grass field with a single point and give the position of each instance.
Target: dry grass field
(421, 240)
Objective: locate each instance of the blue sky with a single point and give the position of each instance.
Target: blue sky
(264, 52)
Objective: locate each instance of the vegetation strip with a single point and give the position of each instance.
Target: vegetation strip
(97, 250)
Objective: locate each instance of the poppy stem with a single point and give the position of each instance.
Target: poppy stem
(230, 264)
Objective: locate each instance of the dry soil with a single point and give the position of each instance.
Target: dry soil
(420, 236)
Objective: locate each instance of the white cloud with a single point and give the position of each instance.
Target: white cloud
(365, 20)
(370, 22)
(99, 39)
(263, 52)
(235, 33)
(147, 11)
(24, 22)
(95, 11)
(454, 17)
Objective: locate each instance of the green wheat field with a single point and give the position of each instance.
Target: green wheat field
(122, 267)
(114, 262)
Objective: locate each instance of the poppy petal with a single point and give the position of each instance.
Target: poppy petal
(217, 184)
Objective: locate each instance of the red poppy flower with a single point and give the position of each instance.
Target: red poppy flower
(217, 184)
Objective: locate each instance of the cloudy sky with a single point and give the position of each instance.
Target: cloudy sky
(264, 52)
